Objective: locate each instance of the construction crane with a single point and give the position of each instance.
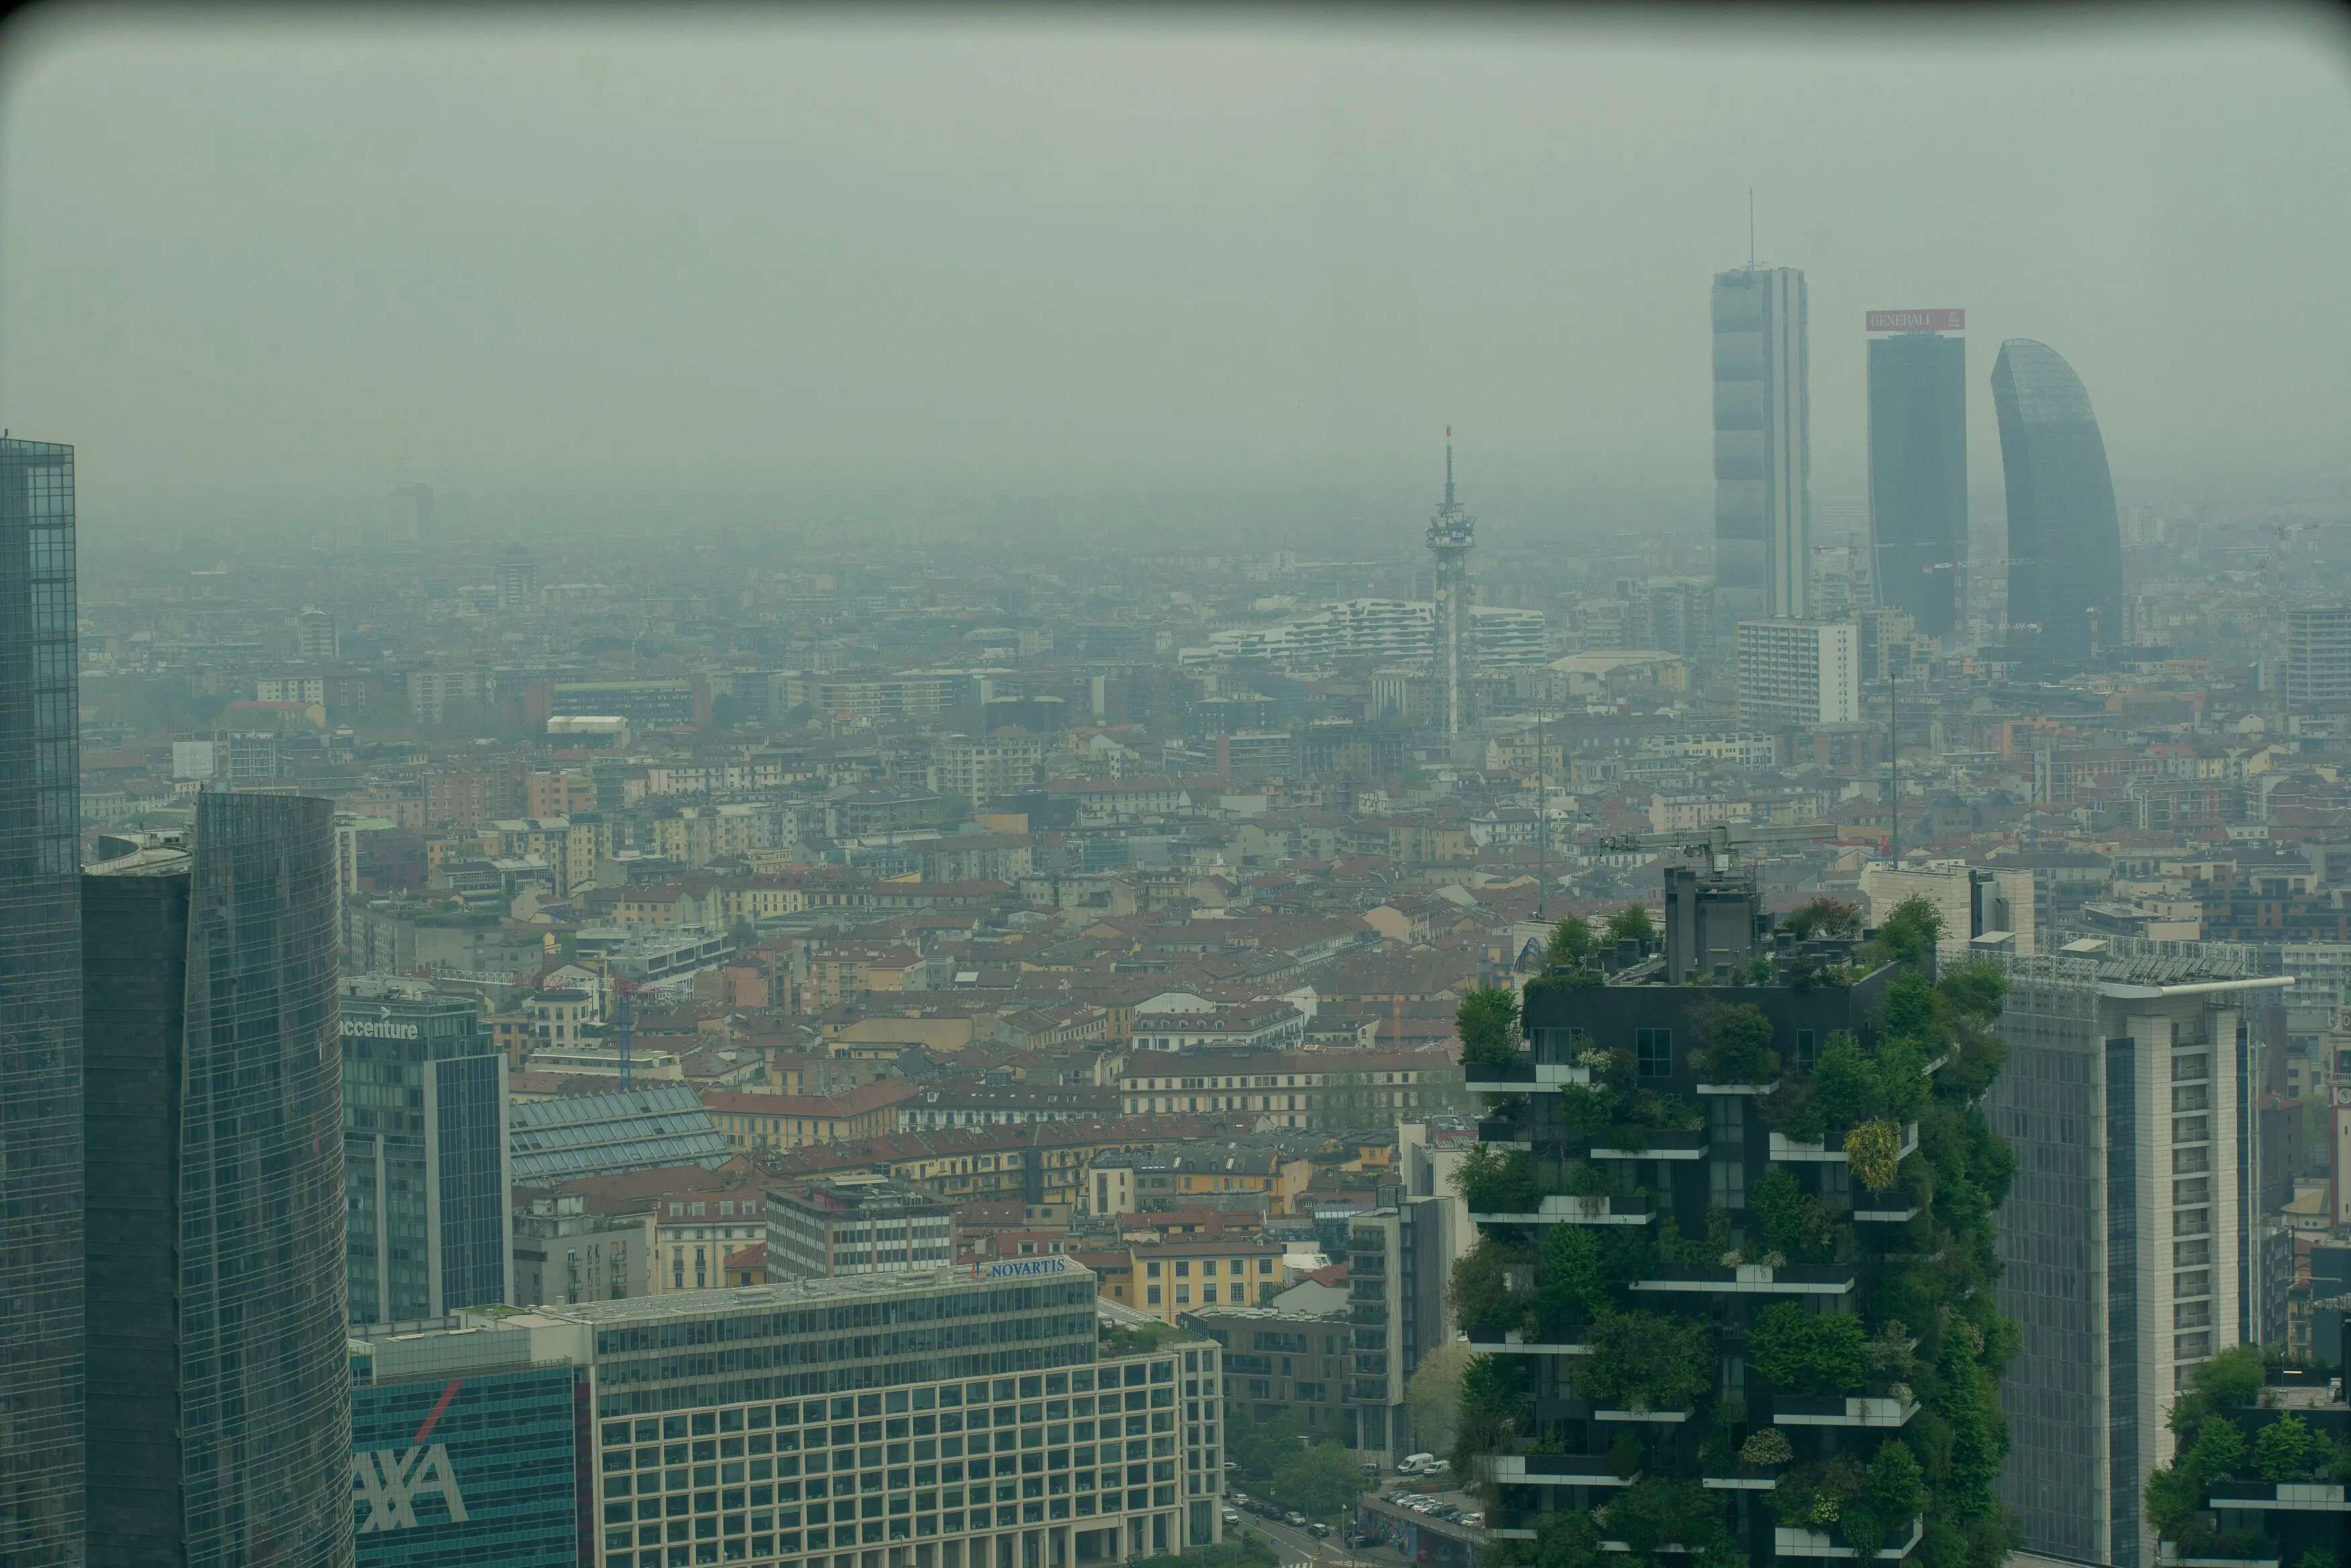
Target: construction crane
(624, 1023)
(1721, 842)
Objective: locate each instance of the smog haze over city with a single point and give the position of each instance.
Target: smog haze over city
(821, 266)
(1175, 788)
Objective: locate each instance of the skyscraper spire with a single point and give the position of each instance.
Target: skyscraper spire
(1449, 465)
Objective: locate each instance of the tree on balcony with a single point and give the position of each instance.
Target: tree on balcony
(1499, 1182)
(1823, 917)
(1809, 1354)
(1488, 1022)
(1642, 1362)
(1571, 943)
(1656, 1512)
(1735, 1045)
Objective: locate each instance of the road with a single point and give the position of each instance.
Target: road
(1296, 1547)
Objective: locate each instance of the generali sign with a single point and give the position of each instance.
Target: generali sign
(1917, 320)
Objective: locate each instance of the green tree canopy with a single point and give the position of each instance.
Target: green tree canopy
(1488, 1023)
(1433, 1396)
(1320, 1481)
(1572, 941)
(1632, 924)
(1809, 1354)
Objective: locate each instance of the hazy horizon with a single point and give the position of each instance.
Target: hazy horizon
(705, 267)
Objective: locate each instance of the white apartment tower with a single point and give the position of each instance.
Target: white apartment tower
(1794, 674)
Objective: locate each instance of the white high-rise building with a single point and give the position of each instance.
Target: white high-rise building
(2123, 1239)
(1794, 674)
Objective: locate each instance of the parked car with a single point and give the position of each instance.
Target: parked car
(1294, 1519)
(1231, 1517)
(1319, 1530)
(1474, 1520)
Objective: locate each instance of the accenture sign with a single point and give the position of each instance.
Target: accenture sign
(377, 1029)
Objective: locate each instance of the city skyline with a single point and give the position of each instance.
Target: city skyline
(777, 382)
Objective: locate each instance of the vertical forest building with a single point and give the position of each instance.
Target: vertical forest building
(1733, 1293)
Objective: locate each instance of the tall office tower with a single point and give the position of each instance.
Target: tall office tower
(1762, 447)
(1796, 674)
(1918, 464)
(1400, 1258)
(1452, 535)
(2064, 542)
(425, 1167)
(518, 579)
(315, 638)
(2318, 657)
(2121, 1241)
(40, 1014)
(219, 1389)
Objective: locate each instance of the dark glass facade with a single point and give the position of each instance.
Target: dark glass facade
(425, 1113)
(2065, 540)
(479, 1468)
(41, 1458)
(1763, 446)
(1919, 476)
(219, 1403)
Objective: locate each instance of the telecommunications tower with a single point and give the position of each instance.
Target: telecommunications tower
(1451, 537)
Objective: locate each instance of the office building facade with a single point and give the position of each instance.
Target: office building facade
(1798, 674)
(465, 1452)
(931, 1420)
(2318, 657)
(425, 1169)
(1762, 445)
(218, 1388)
(859, 1224)
(2064, 541)
(1400, 1257)
(2121, 1243)
(1919, 473)
(41, 1282)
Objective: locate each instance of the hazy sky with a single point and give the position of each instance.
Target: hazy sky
(248, 269)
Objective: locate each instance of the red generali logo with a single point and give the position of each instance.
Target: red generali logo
(1917, 320)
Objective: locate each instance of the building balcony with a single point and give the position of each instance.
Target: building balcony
(1523, 1078)
(1516, 1344)
(1850, 1410)
(2290, 1497)
(1561, 1208)
(1625, 1143)
(1795, 1151)
(1752, 1278)
(2167, 1556)
(1788, 1542)
(1553, 1469)
(1746, 1478)
(1650, 1418)
(1758, 1090)
(1894, 1207)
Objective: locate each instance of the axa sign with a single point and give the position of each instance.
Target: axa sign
(387, 1484)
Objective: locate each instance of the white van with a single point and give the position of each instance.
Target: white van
(1411, 1464)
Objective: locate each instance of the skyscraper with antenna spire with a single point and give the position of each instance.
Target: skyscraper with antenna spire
(1451, 537)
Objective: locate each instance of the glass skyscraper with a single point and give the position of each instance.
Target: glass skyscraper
(219, 1385)
(2065, 540)
(1762, 447)
(1919, 476)
(424, 1152)
(40, 1015)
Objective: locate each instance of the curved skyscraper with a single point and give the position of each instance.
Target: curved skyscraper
(219, 1379)
(2065, 540)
